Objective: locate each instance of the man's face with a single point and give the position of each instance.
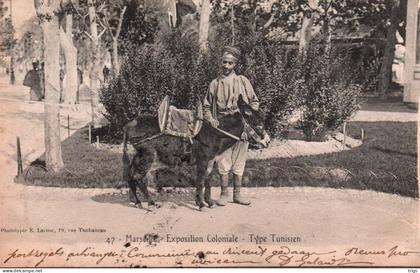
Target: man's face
(228, 64)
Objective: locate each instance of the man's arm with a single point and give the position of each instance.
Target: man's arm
(208, 106)
(250, 96)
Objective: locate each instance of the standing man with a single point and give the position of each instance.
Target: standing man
(33, 81)
(222, 100)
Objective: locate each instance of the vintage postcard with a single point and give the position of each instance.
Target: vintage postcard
(209, 133)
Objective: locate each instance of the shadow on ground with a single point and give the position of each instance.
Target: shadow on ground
(173, 198)
(391, 105)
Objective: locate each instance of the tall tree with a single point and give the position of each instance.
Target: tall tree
(396, 7)
(114, 32)
(383, 17)
(140, 23)
(204, 25)
(308, 18)
(49, 20)
(30, 45)
(70, 54)
(97, 17)
(7, 38)
(95, 68)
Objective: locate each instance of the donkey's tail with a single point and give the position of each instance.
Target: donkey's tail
(125, 159)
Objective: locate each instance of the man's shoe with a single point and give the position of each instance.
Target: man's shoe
(237, 197)
(224, 197)
(224, 194)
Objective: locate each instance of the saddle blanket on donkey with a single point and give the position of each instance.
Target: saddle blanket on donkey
(179, 122)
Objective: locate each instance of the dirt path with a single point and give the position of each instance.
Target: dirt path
(323, 219)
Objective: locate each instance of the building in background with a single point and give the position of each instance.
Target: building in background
(412, 53)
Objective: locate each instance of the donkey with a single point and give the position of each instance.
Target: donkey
(166, 151)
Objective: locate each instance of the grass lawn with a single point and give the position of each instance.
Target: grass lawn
(385, 162)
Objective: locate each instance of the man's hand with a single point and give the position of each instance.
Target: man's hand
(248, 112)
(214, 122)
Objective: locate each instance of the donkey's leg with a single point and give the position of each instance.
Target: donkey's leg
(147, 179)
(140, 166)
(199, 194)
(200, 181)
(145, 191)
(133, 193)
(207, 190)
(207, 193)
(204, 157)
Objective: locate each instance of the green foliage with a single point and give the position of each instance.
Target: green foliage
(140, 85)
(344, 17)
(7, 35)
(3, 9)
(30, 44)
(277, 81)
(7, 31)
(139, 25)
(330, 94)
(150, 72)
(325, 88)
(174, 67)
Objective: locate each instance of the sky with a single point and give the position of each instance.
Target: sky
(21, 11)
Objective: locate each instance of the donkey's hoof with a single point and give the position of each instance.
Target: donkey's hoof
(151, 209)
(153, 206)
(211, 203)
(136, 205)
(203, 209)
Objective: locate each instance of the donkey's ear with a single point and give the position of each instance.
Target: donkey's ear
(244, 107)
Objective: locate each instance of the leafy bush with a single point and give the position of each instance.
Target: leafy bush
(329, 95)
(322, 87)
(149, 73)
(172, 66)
(142, 82)
(277, 83)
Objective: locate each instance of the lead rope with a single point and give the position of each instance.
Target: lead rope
(214, 102)
(249, 130)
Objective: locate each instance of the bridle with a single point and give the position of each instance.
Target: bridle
(249, 130)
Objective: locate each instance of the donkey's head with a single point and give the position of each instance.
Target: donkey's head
(254, 124)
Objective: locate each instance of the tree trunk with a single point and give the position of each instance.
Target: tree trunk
(232, 23)
(70, 53)
(115, 60)
(385, 76)
(306, 30)
(326, 32)
(50, 29)
(305, 36)
(115, 57)
(204, 25)
(95, 64)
